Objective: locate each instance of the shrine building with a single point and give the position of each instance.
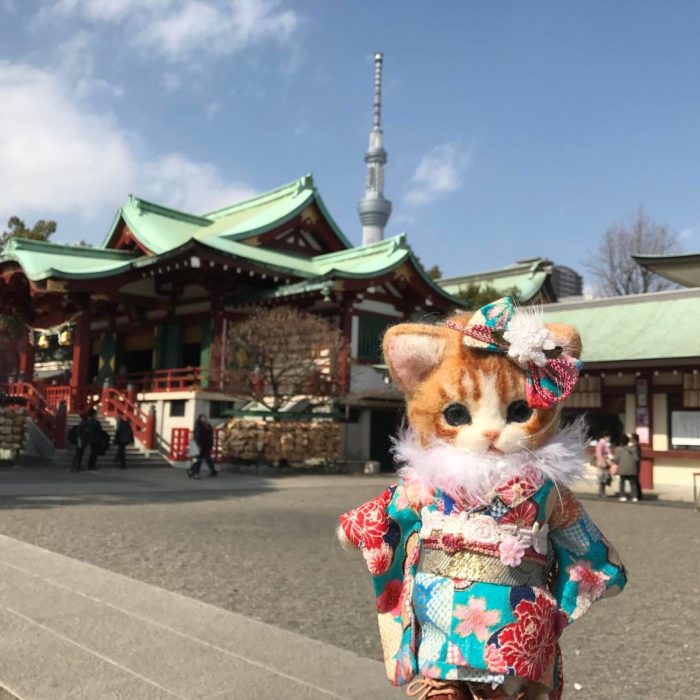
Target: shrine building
(148, 310)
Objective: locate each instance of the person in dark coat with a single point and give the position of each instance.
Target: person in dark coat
(636, 448)
(627, 468)
(204, 438)
(81, 442)
(93, 431)
(123, 437)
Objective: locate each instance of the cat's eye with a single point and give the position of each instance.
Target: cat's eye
(457, 414)
(518, 412)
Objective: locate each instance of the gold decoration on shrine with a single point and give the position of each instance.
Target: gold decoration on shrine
(57, 286)
(43, 342)
(310, 216)
(65, 338)
(403, 273)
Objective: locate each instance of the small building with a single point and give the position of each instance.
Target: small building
(641, 373)
(535, 280)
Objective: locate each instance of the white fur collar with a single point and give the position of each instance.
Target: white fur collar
(459, 473)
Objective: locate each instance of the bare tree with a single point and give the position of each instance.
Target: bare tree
(281, 353)
(612, 266)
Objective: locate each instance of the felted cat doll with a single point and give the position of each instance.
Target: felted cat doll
(480, 554)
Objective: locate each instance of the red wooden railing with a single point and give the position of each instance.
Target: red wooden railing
(179, 379)
(180, 439)
(77, 399)
(52, 422)
(115, 404)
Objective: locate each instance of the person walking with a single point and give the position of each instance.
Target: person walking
(624, 457)
(204, 439)
(602, 460)
(95, 439)
(637, 450)
(123, 437)
(78, 436)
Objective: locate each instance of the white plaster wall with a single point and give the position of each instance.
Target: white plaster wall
(674, 470)
(660, 422)
(366, 378)
(355, 438)
(377, 307)
(196, 403)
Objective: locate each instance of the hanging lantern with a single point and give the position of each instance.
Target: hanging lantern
(65, 338)
(43, 342)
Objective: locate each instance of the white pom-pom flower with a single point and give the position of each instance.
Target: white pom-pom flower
(528, 340)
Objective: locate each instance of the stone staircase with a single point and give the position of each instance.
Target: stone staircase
(136, 456)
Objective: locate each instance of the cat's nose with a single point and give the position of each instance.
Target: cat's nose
(491, 435)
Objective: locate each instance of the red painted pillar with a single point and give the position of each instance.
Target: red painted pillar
(646, 468)
(81, 352)
(26, 358)
(150, 439)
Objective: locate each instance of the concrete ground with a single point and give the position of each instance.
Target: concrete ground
(264, 549)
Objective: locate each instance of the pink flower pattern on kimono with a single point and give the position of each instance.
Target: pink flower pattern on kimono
(476, 619)
(591, 584)
(511, 550)
(494, 659)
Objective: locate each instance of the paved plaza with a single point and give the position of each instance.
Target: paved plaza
(237, 588)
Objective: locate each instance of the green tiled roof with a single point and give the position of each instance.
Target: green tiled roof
(683, 268)
(167, 233)
(656, 326)
(40, 260)
(161, 229)
(527, 277)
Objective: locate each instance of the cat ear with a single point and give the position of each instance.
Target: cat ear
(412, 351)
(566, 337)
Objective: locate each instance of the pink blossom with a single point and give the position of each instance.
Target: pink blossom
(494, 659)
(512, 551)
(476, 619)
(591, 583)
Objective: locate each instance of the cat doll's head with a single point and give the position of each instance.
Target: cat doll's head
(488, 383)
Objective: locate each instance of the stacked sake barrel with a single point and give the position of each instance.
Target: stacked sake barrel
(293, 441)
(13, 430)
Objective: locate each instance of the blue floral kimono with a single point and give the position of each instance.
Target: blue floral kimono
(481, 593)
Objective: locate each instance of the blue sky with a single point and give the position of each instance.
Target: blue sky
(514, 129)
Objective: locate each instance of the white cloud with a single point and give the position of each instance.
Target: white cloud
(60, 157)
(8, 6)
(56, 157)
(75, 64)
(179, 29)
(686, 234)
(438, 174)
(178, 182)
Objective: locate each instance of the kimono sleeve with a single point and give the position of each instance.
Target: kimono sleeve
(385, 530)
(589, 567)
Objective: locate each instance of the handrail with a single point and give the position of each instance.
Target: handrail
(51, 423)
(177, 379)
(117, 405)
(77, 399)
